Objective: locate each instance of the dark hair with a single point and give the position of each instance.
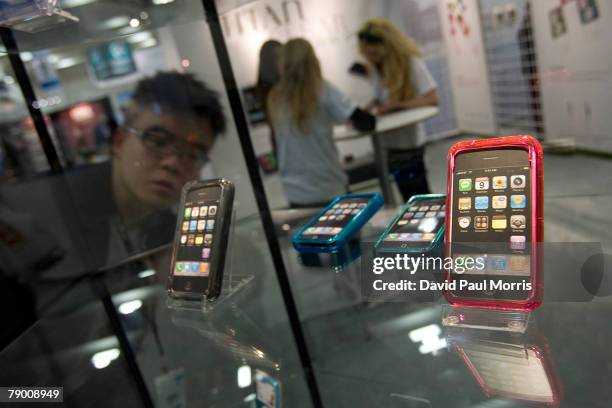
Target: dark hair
(181, 93)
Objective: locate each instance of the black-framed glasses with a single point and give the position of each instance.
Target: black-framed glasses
(163, 143)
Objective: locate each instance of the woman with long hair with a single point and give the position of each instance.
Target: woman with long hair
(268, 75)
(304, 108)
(400, 80)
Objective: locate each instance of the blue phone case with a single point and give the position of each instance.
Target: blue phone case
(336, 242)
(437, 239)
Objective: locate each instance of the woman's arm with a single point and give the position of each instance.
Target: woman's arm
(427, 99)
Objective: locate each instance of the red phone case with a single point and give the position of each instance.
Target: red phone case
(543, 354)
(534, 150)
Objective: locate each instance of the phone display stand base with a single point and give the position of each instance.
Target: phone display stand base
(232, 283)
(486, 319)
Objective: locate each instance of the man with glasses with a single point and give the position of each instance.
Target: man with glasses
(170, 126)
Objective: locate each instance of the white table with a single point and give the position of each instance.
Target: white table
(384, 124)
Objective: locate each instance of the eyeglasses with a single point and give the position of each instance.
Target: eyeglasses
(163, 143)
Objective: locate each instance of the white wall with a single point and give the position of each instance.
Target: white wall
(193, 42)
(468, 67)
(576, 74)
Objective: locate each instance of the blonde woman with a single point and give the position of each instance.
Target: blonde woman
(400, 80)
(304, 108)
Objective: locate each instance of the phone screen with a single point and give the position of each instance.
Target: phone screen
(512, 376)
(336, 218)
(491, 216)
(199, 222)
(418, 225)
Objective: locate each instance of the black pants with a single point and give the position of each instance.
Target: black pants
(408, 168)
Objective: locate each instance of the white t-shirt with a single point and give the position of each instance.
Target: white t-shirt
(412, 136)
(308, 161)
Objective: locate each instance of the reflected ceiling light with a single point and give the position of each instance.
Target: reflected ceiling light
(26, 56)
(130, 307)
(158, 2)
(116, 22)
(103, 359)
(144, 15)
(9, 80)
(75, 3)
(53, 59)
(429, 337)
(185, 63)
(134, 22)
(151, 42)
(146, 273)
(244, 376)
(140, 36)
(66, 63)
(83, 112)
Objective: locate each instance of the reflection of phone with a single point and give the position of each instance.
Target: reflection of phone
(201, 239)
(417, 227)
(494, 209)
(524, 372)
(335, 225)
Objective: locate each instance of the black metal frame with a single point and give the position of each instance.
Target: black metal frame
(233, 94)
(8, 38)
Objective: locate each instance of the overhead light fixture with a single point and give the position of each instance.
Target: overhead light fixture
(75, 3)
(159, 2)
(115, 22)
(144, 15)
(9, 80)
(26, 56)
(139, 37)
(146, 273)
(429, 337)
(244, 376)
(103, 359)
(67, 63)
(134, 22)
(151, 42)
(130, 307)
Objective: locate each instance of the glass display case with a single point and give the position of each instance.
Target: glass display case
(107, 108)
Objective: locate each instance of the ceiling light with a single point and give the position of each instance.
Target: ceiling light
(158, 2)
(244, 376)
(115, 22)
(103, 359)
(144, 15)
(151, 42)
(130, 307)
(134, 22)
(66, 63)
(140, 36)
(75, 3)
(146, 273)
(26, 56)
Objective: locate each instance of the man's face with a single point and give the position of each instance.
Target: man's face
(151, 173)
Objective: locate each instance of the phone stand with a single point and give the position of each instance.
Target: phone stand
(231, 285)
(486, 319)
